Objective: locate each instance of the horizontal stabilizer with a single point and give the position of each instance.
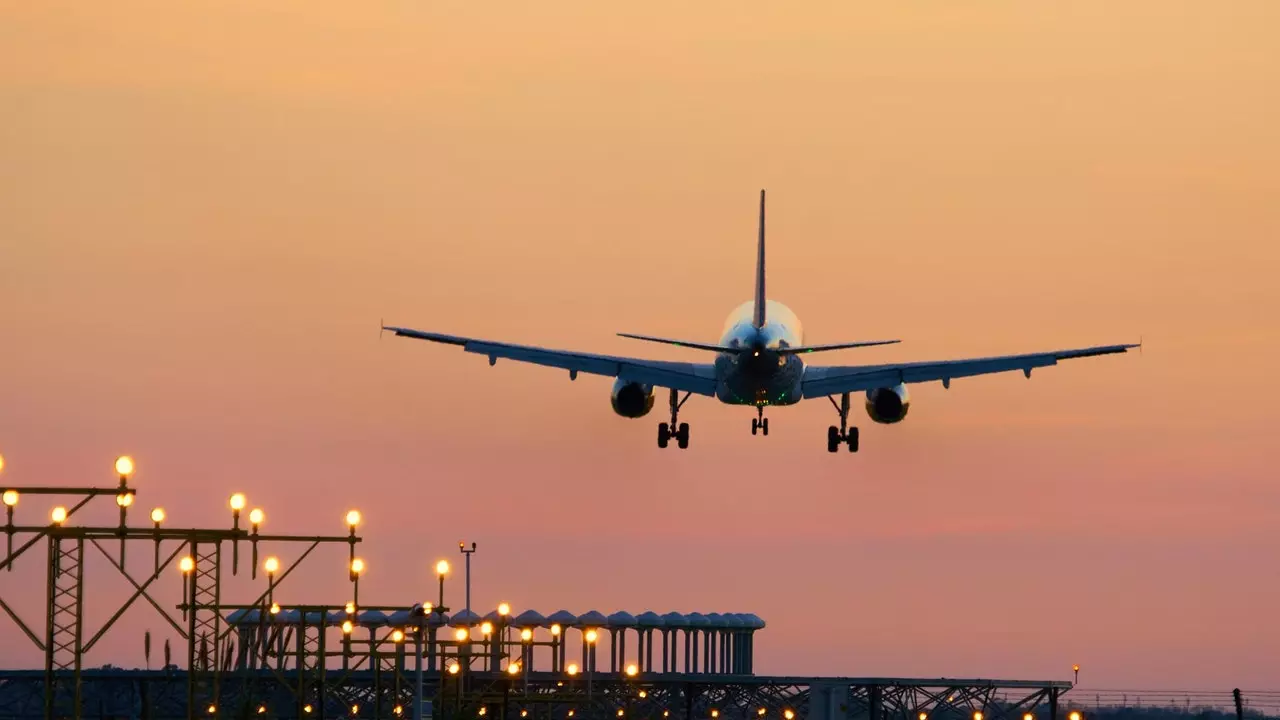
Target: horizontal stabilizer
(680, 343)
(740, 349)
(837, 346)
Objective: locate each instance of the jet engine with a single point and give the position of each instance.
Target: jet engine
(631, 399)
(888, 405)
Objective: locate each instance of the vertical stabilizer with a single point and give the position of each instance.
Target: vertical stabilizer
(757, 315)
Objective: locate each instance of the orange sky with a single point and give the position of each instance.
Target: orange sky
(206, 208)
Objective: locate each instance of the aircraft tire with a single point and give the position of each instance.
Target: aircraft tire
(682, 437)
(833, 438)
(853, 440)
(755, 425)
(664, 435)
(764, 426)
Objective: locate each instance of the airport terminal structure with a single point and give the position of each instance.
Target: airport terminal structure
(265, 659)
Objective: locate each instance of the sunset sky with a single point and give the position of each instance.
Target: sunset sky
(206, 208)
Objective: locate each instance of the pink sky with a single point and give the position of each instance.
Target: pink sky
(206, 208)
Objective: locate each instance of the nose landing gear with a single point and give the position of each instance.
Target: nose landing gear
(844, 434)
(760, 423)
(673, 430)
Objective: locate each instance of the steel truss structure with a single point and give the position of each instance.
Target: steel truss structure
(387, 693)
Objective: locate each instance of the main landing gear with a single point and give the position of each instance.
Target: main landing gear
(679, 432)
(843, 434)
(760, 423)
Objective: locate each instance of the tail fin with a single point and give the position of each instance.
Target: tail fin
(757, 316)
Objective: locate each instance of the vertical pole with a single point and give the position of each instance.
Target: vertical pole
(50, 686)
(1053, 703)
(417, 693)
(1235, 694)
(75, 712)
(190, 582)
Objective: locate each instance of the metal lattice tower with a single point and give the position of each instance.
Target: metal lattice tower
(64, 621)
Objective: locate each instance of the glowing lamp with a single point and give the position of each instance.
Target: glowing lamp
(357, 566)
(59, 515)
(504, 609)
(10, 498)
(592, 635)
(256, 516)
(353, 518)
(572, 669)
(461, 634)
(977, 715)
(632, 670)
(124, 466)
(1075, 715)
(275, 608)
(513, 669)
(442, 567)
(789, 714)
(526, 634)
(555, 629)
(237, 502)
(397, 636)
(187, 564)
(271, 565)
(157, 515)
(350, 608)
(347, 627)
(454, 668)
(124, 500)
(486, 628)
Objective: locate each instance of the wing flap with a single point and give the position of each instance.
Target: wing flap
(823, 381)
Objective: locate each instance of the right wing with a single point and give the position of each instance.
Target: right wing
(698, 378)
(820, 381)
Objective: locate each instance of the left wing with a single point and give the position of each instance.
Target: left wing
(696, 378)
(822, 381)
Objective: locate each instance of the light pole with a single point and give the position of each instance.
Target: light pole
(1076, 669)
(462, 548)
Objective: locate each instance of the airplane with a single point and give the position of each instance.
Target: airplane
(759, 361)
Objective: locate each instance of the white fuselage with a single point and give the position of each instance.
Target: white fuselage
(763, 376)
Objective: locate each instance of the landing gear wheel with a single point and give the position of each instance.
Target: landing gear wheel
(764, 426)
(852, 440)
(682, 437)
(833, 438)
(755, 425)
(664, 435)
(842, 433)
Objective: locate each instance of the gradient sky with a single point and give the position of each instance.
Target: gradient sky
(206, 208)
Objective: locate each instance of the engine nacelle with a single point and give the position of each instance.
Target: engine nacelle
(631, 399)
(888, 405)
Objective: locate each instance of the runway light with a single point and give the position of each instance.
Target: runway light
(212, 709)
(262, 709)
(1, 462)
(357, 566)
(761, 712)
(59, 515)
(355, 709)
(555, 629)
(353, 518)
(157, 515)
(275, 608)
(256, 516)
(454, 668)
(570, 713)
(643, 694)
(397, 710)
(486, 628)
(592, 635)
(483, 712)
(524, 713)
(237, 502)
(1075, 715)
(442, 567)
(397, 636)
(923, 716)
(271, 565)
(620, 712)
(10, 497)
(514, 669)
(461, 634)
(1028, 716)
(715, 713)
(632, 670)
(306, 709)
(186, 564)
(347, 627)
(526, 634)
(504, 609)
(124, 466)
(350, 608)
(789, 714)
(666, 713)
(124, 500)
(977, 715)
(572, 669)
